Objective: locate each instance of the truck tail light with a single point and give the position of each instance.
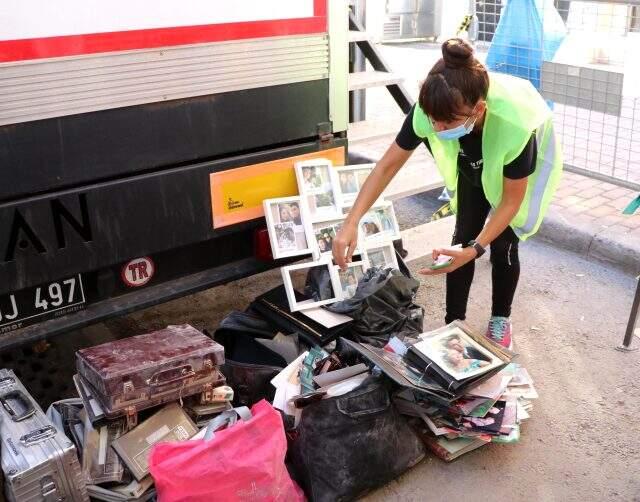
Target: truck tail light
(262, 245)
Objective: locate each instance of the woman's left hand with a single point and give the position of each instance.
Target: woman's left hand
(460, 258)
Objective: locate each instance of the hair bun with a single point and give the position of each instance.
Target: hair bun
(457, 53)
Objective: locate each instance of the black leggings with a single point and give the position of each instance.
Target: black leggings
(473, 209)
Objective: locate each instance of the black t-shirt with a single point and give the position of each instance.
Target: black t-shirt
(470, 156)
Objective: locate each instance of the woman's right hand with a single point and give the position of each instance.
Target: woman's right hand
(344, 245)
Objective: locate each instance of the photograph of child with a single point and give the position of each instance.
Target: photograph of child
(290, 235)
(349, 279)
(457, 354)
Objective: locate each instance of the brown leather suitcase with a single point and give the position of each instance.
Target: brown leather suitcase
(140, 372)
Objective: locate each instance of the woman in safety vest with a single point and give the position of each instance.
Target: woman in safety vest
(493, 142)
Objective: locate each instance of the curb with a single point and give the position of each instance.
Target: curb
(593, 242)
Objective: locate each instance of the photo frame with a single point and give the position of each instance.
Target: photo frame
(350, 277)
(381, 255)
(295, 301)
(379, 224)
(349, 181)
(323, 232)
(289, 227)
(316, 184)
(457, 353)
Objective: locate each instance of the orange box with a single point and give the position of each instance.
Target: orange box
(237, 194)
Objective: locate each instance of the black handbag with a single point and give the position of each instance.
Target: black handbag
(348, 445)
(249, 364)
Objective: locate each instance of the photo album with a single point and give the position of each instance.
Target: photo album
(308, 223)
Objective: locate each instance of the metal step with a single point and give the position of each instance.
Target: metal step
(366, 79)
(368, 130)
(358, 36)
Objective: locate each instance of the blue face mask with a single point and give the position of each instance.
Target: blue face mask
(459, 131)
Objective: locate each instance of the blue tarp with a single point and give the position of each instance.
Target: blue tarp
(528, 33)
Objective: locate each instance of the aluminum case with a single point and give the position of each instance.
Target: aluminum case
(39, 462)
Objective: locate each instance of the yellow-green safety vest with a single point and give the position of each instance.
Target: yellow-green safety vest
(514, 111)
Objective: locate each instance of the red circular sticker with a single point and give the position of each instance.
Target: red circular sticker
(138, 272)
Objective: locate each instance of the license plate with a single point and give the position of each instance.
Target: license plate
(32, 305)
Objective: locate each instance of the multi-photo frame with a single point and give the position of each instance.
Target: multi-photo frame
(307, 224)
(316, 184)
(289, 227)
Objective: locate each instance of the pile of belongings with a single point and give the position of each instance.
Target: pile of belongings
(463, 390)
(135, 393)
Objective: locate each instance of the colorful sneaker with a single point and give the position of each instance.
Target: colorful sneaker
(499, 331)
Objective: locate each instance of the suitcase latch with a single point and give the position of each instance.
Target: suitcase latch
(207, 394)
(127, 389)
(132, 417)
(49, 490)
(38, 435)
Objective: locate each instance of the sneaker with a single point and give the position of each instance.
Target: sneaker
(499, 331)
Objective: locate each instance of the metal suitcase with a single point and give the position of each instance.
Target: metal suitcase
(39, 462)
(132, 374)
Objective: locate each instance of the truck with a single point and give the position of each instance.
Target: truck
(138, 141)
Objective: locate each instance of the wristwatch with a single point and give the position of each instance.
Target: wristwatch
(478, 247)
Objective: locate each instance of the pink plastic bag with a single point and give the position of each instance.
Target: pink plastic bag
(243, 462)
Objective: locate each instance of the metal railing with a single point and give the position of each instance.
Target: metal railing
(585, 64)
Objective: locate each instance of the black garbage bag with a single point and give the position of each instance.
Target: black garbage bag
(348, 445)
(383, 306)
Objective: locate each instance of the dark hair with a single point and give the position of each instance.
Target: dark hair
(457, 79)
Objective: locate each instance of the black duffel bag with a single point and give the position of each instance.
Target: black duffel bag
(349, 445)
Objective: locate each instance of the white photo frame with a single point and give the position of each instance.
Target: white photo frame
(289, 234)
(349, 181)
(350, 277)
(379, 224)
(316, 184)
(323, 232)
(294, 304)
(381, 255)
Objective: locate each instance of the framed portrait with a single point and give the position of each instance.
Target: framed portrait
(379, 224)
(289, 227)
(382, 255)
(316, 182)
(300, 294)
(458, 354)
(350, 277)
(349, 181)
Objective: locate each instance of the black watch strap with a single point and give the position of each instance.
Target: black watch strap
(478, 247)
